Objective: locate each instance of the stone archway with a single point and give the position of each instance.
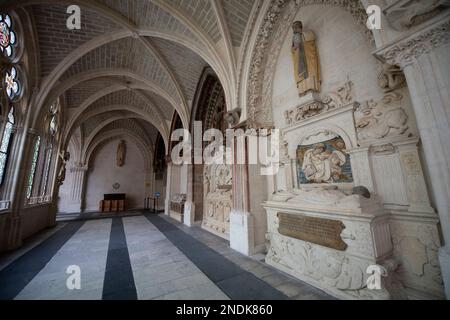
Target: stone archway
(212, 194)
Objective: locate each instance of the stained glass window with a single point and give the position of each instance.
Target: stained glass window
(6, 141)
(47, 170)
(12, 84)
(33, 167)
(7, 35)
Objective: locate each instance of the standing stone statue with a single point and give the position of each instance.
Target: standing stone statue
(306, 60)
(65, 157)
(121, 152)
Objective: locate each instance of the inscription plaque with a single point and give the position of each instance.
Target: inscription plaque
(324, 232)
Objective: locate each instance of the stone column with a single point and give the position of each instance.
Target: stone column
(189, 206)
(424, 57)
(168, 188)
(241, 220)
(77, 191)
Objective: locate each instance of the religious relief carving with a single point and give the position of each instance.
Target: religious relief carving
(121, 152)
(306, 60)
(376, 120)
(404, 14)
(338, 98)
(217, 198)
(324, 162)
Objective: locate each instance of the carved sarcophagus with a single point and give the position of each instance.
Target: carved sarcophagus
(330, 240)
(217, 199)
(177, 207)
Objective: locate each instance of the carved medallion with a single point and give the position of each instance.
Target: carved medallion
(324, 232)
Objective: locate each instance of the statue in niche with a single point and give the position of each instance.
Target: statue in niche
(121, 152)
(306, 60)
(324, 162)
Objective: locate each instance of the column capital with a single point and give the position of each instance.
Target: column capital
(409, 48)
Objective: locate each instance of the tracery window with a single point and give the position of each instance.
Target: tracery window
(5, 143)
(37, 145)
(7, 36)
(47, 170)
(12, 78)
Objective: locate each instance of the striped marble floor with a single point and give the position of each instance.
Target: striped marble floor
(140, 257)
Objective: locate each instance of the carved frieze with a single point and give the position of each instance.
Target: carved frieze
(338, 98)
(407, 50)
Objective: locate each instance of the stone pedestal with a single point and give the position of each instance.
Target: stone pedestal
(241, 232)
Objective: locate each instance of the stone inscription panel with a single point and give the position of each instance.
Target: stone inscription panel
(324, 232)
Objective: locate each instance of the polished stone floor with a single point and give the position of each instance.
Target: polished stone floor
(141, 257)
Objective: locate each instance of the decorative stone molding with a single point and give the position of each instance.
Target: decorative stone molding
(278, 19)
(406, 51)
(404, 14)
(341, 97)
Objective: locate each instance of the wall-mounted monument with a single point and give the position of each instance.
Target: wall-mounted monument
(305, 59)
(318, 230)
(121, 152)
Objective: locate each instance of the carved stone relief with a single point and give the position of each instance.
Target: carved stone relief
(217, 198)
(377, 120)
(391, 78)
(338, 98)
(416, 245)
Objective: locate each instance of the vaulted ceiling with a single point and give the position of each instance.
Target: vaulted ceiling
(133, 63)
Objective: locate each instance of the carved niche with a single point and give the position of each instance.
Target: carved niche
(272, 33)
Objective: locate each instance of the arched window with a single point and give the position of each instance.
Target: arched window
(37, 145)
(47, 169)
(7, 36)
(5, 144)
(53, 129)
(9, 46)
